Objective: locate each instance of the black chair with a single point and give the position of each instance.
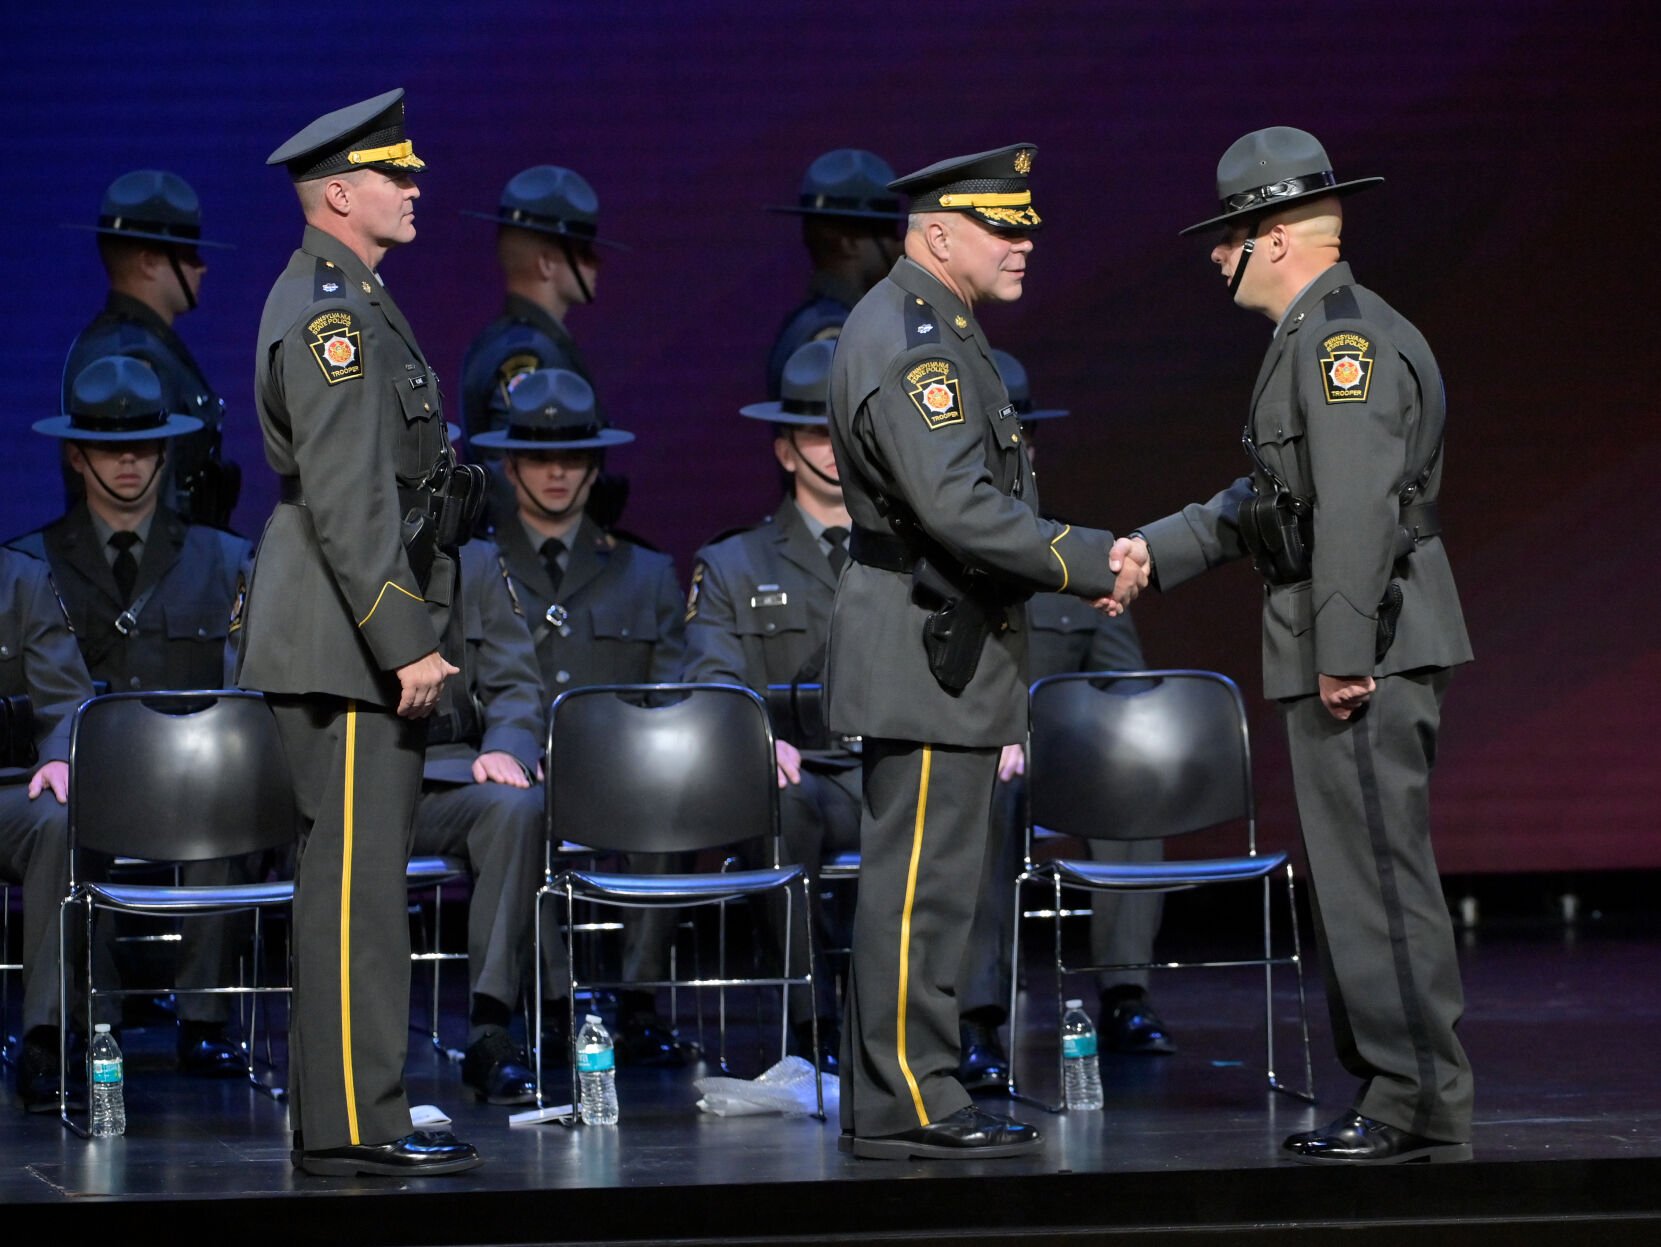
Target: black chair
(17, 748)
(433, 874)
(665, 768)
(1147, 755)
(173, 777)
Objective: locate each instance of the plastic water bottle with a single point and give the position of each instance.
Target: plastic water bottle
(1081, 1072)
(597, 1071)
(109, 1106)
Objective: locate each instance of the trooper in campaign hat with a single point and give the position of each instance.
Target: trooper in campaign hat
(758, 614)
(548, 243)
(353, 625)
(603, 608)
(850, 229)
(152, 599)
(150, 241)
(1361, 627)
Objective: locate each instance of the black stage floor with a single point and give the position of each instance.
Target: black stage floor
(1561, 1026)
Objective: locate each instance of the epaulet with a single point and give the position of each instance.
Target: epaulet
(922, 323)
(738, 531)
(1341, 304)
(616, 536)
(327, 282)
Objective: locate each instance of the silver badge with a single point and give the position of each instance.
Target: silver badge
(925, 328)
(557, 615)
(329, 287)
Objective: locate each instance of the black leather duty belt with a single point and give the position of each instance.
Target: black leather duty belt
(880, 550)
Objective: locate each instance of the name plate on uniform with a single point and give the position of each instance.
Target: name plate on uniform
(768, 595)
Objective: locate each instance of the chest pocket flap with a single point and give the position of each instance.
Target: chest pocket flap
(623, 622)
(1276, 423)
(1050, 614)
(769, 612)
(197, 621)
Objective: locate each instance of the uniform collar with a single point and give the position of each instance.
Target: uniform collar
(914, 279)
(1311, 295)
(518, 307)
(327, 247)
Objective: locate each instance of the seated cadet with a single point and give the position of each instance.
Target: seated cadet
(1063, 634)
(151, 599)
(851, 230)
(601, 609)
(547, 246)
(39, 661)
(759, 614)
(150, 240)
(481, 798)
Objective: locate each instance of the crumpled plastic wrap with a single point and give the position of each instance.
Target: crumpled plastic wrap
(785, 1088)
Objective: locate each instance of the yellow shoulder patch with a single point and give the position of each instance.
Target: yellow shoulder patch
(692, 593)
(933, 389)
(337, 345)
(1346, 366)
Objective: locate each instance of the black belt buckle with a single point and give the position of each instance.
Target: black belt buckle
(126, 623)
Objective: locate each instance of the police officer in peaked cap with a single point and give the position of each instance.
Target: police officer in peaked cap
(349, 628)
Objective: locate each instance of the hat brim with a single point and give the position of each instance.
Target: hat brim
(498, 439)
(858, 214)
(774, 413)
(1269, 207)
(536, 228)
(147, 236)
(64, 427)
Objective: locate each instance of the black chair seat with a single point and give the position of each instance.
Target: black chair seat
(680, 889)
(166, 899)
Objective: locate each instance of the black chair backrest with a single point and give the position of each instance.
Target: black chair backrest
(178, 776)
(1137, 755)
(17, 731)
(660, 768)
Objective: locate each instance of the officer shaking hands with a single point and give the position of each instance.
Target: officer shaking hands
(927, 646)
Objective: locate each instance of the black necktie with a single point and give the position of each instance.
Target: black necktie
(838, 538)
(551, 550)
(126, 564)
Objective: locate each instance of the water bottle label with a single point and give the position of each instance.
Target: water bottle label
(106, 1071)
(1078, 1046)
(596, 1060)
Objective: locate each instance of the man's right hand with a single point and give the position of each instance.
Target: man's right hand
(790, 763)
(421, 682)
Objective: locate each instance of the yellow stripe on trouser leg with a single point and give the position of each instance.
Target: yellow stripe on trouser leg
(905, 932)
(346, 924)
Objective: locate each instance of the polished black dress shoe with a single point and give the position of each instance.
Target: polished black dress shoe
(37, 1074)
(830, 1044)
(206, 1051)
(646, 1040)
(1356, 1140)
(968, 1134)
(984, 1065)
(498, 1070)
(422, 1153)
(1131, 1026)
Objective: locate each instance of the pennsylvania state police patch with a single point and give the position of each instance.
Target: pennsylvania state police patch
(933, 389)
(337, 346)
(1346, 368)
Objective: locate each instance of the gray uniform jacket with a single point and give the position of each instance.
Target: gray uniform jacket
(191, 574)
(760, 607)
(349, 406)
(1065, 634)
(921, 420)
(1341, 432)
(38, 659)
(829, 300)
(498, 705)
(128, 326)
(523, 338)
(620, 616)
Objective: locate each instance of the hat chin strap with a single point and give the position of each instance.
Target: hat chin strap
(571, 259)
(1246, 249)
(184, 286)
(118, 496)
(803, 461)
(548, 513)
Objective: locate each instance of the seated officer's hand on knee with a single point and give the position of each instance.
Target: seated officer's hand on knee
(790, 763)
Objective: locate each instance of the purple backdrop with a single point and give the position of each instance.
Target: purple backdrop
(1518, 142)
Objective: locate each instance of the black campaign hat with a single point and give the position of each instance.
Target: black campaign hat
(1014, 377)
(365, 135)
(153, 205)
(551, 409)
(550, 200)
(991, 186)
(804, 390)
(847, 182)
(1271, 169)
(116, 398)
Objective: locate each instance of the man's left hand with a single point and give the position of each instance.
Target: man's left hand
(54, 775)
(1129, 557)
(499, 768)
(1011, 762)
(1345, 695)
